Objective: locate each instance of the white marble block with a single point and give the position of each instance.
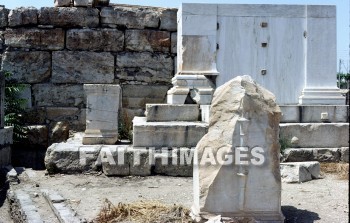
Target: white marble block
(237, 172)
(288, 49)
(102, 113)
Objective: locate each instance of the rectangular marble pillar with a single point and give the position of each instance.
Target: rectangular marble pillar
(321, 58)
(196, 54)
(101, 113)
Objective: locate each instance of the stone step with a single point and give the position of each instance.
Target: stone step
(37, 204)
(317, 154)
(314, 113)
(63, 212)
(314, 135)
(298, 172)
(167, 134)
(23, 208)
(172, 112)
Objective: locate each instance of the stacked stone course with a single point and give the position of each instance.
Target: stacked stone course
(55, 50)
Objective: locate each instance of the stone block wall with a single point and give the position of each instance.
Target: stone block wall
(55, 50)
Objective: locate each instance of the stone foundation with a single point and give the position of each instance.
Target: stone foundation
(55, 50)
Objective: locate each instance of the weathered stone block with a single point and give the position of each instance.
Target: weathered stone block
(62, 3)
(134, 17)
(23, 16)
(298, 172)
(290, 114)
(58, 95)
(147, 40)
(3, 16)
(298, 155)
(166, 112)
(344, 151)
(317, 135)
(41, 39)
(167, 134)
(28, 67)
(140, 162)
(327, 154)
(69, 17)
(145, 91)
(312, 154)
(135, 97)
(82, 67)
(115, 160)
(37, 135)
(23, 208)
(176, 162)
(174, 43)
(168, 19)
(95, 39)
(71, 158)
(337, 113)
(83, 3)
(144, 66)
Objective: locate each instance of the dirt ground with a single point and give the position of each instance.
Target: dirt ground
(323, 200)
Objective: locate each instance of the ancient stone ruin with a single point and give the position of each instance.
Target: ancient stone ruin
(177, 81)
(237, 162)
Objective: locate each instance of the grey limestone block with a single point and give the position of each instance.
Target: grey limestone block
(145, 67)
(135, 17)
(23, 16)
(69, 17)
(34, 38)
(82, 67)
(147, 40)
(95, 39)
(28, 67)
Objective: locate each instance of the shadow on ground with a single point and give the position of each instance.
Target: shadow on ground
(295, 215)
(4, 186)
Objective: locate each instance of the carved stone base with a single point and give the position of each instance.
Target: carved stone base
(198, 87)
(321, 96)
(94, 137)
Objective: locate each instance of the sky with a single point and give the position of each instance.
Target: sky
(343, 12)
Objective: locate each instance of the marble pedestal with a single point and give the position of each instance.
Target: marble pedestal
(101, 113)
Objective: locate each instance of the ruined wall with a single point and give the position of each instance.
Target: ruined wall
(55, 50)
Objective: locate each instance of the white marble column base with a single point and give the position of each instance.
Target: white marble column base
(321, 96)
